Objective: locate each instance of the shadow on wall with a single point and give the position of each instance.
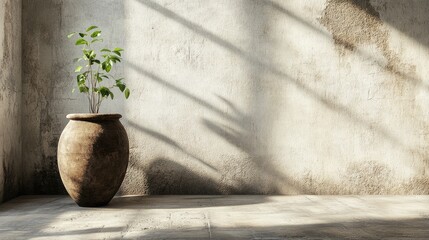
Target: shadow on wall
(261, 65)
(252, 181)
(170, 142)
(268, 178)
(258, 174)
(164, 176)
(355, 22)
(242, 135)
(47, 179)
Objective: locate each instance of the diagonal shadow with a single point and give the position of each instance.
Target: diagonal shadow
(239, 137)
(329, 103)
(243, 140)
(178, 90)
(345, 43)
(163, 138)
(221, 42)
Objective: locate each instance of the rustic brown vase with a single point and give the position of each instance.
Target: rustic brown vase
(93, 157)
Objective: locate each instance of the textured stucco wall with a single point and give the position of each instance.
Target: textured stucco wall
(288, 97)
(10, 98)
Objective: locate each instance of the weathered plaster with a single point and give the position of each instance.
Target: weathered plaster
(10, 99)
(287, 97)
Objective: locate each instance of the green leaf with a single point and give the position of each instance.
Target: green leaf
(95, 61)
(81, 78)
(103, 65)
(127, 93)
(97, 40)
(106, 65)
(77, 60)
(118, 49)
(71, 34)
(104, 91)
(90, 54)
(121, 86)
(82, 34)
(86, 52)
(104, 76)
(96, 34)
(78, 68)
(83, 88)
(111, 95)
(105, 50)
(90, 28)
(81, 41)
(99, 79)
(115, 58)
(117, 53)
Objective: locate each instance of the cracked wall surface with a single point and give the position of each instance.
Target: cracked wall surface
(256, 97)
(10, 99)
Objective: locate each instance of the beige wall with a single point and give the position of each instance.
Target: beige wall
(287, 97)
(10, 98)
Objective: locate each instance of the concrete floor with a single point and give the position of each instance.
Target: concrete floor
(218, 217)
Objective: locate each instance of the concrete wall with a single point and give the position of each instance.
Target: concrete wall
(287, 97)
(10, 98)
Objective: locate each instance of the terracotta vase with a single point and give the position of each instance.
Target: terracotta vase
(93, 156)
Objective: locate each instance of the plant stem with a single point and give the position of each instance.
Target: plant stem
(91, 90)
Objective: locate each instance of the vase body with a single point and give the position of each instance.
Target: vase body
(93, 153)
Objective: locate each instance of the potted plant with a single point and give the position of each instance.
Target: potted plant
(93, 148)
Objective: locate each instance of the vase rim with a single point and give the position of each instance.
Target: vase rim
(93, 116)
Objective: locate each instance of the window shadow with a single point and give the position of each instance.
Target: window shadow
(260, 65)
(263, 65)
